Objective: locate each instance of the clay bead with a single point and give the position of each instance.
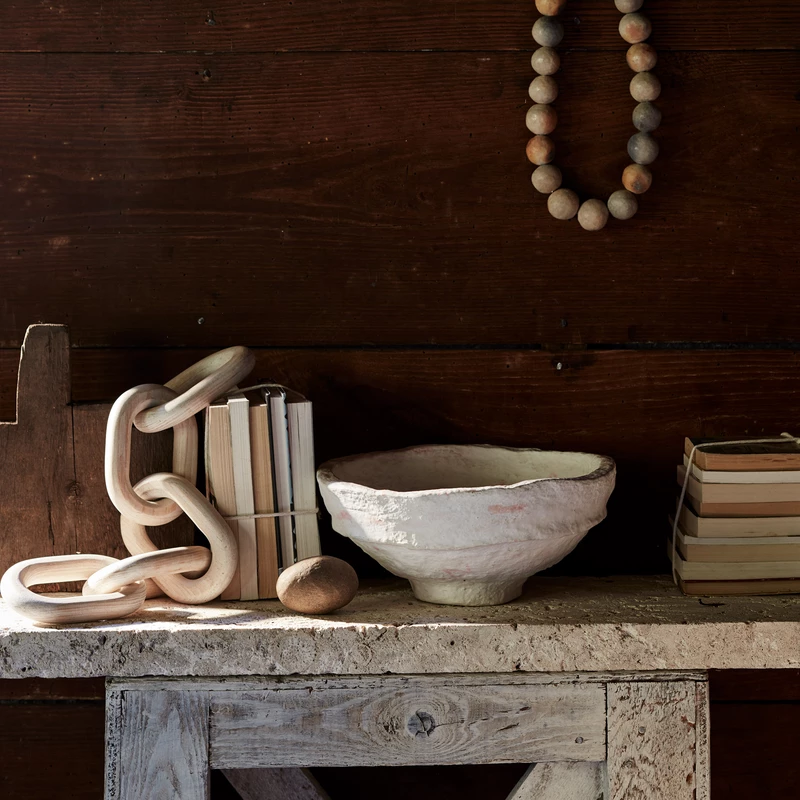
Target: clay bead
(628, 6)
(593, 215)
(548, 32)
(317, 585)
(550, 8)
(636, 178)
(641, 57)
(546, 179)
(634, 28)
(623, 204)
(540, 150)
(563, 204)
(543, 89)
(642, 148)
(645, 87)
(545, 61)
(541, 119)
(646, 117)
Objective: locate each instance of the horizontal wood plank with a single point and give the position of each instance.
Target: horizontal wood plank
(636, 406)
(159, 25)
(41, 690)
(385, 199)
(409, 723)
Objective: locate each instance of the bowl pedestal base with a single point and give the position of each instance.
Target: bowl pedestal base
(467, 593)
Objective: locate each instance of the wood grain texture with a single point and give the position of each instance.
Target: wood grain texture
(37, 493)
(635, 406)
(562, 781)
(654, 742)
(169, 199)
(406, 723)
(163, 747)
(379, 25)
(275, 784)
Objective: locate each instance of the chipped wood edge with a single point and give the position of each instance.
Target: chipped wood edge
(702, 742)
(113, 739)
(289, 682)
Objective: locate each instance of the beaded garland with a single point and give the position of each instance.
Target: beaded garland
(542, 118)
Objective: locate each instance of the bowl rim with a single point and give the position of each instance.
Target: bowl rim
(327, 477)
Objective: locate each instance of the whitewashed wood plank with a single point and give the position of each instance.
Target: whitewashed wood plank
(113, 740)
(275, 784)
(163, 750)
(415, 724)
(703, 748)
(367, 682)
(562, 780)
(653, 738)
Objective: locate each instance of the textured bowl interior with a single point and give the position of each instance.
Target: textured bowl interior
(450, 467)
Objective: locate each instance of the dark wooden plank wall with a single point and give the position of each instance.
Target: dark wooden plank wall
(344, 187)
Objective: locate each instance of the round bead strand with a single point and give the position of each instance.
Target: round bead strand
(541, 119)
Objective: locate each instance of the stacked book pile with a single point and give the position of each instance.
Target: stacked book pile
(738, 530)
(260, 470)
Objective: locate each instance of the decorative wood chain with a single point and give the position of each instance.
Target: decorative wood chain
(541, 118)
(115, 588)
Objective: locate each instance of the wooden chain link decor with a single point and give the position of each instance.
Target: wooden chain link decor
(116, 588)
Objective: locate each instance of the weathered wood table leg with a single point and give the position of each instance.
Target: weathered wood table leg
(658, 740)
(157, 745)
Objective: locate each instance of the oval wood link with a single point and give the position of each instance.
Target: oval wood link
(197, 387)
(147, 565)
(224, 552)
(118, 455)
(66, 610)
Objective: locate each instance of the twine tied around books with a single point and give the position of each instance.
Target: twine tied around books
(782, 439)
(258, 515)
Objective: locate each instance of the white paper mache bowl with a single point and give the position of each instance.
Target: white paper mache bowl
(467, 524)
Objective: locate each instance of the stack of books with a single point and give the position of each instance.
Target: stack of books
(739, 527)
(260, 469)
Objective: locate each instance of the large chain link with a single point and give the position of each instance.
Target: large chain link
(116, 588)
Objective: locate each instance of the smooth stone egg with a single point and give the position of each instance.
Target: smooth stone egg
(634, 28)
(642, 148)
(622, 204)
(548, 32)
(546, 179)
(317, 585)
(646, 117)
(545, 61)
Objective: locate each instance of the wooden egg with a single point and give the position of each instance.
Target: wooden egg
(622, 204)
(541, 119)
(550, 8)
(641, 57)
(548, 32)
(545, 61)
(642, 148)
(563, 204)
(636, 178)
(593, 215)
(646, 117)
(546, 179)
(543, 89)
(540, 150)
(634, 28)
(628, 6)
(317, 585)
(645, 87)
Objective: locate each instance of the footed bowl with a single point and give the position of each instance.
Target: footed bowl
(467, 524)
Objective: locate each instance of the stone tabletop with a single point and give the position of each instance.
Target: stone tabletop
(559, 625)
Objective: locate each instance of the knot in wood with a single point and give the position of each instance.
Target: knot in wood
(421, 724)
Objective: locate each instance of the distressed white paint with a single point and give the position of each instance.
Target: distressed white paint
(657, 742)
(404, 721)
(562, 781)
(467, 524)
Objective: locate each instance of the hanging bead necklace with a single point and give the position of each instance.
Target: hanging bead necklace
(541, 118)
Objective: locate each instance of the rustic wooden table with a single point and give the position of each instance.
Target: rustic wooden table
(600, 684)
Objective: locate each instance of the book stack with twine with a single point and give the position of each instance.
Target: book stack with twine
(737, 526)
(260, 476)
